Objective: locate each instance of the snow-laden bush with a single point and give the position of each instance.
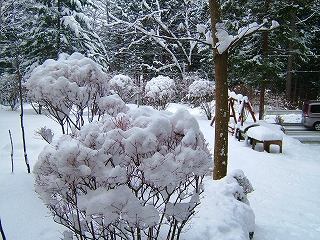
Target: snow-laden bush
(67, 87)
(201, 94)
(123, 86)
(134, 176)
(45, 134)
(111, 105)
(9, 90)
(159, 92)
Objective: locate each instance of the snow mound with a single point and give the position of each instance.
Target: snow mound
(263, 133)
(229, 217)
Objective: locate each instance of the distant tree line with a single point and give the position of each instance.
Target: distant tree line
(144, 39)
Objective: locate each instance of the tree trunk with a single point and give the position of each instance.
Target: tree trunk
(21, 112)
(59, 28)
(221, 95)
(261, 99)
(290, 57)
(222, 116)
(264, 76)
(0, 12)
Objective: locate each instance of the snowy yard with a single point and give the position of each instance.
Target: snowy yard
(285, 200)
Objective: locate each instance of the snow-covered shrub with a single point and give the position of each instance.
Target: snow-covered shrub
(45, 133)
(244, 182)
(183, 84)
(134, 176)
(111, 105)
(159, 92)
(67, 87)
(123, 86)
(9, 90)
(201, 94)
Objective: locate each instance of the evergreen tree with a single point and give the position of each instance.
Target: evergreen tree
(11, 58)
(289, 47)
(61, 26)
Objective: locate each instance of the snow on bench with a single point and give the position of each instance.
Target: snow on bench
(261, 134)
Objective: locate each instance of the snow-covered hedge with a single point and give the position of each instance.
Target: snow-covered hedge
(159, 92)
(136, 175)
(67, 86)
(201, 93)
(123, 86)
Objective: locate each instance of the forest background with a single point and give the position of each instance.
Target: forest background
(143, 39)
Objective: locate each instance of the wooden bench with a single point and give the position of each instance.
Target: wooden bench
(267, 143)
(266, 136)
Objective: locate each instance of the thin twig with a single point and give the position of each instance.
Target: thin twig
(2, 231)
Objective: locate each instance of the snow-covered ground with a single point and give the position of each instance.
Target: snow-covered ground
(286, 197)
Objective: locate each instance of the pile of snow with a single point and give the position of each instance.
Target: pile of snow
(228, 215)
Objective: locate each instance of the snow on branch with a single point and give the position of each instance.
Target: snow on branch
(225, 40)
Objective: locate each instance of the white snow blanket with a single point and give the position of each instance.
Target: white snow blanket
(262, 133)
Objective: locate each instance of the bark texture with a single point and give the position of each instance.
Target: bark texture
(221, 96)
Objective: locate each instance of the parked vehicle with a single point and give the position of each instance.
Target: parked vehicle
(311, 115)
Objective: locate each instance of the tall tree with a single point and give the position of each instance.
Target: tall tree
(302, 26)
(222, 110)
(61, 26)
(223, 44)
(167, 28)
(10, 30)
